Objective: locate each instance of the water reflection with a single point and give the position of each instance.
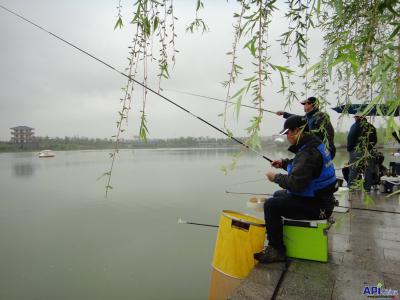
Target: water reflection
(23, 169)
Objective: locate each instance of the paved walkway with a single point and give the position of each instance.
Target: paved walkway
(364, 249)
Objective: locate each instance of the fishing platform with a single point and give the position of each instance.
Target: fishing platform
(363, 256)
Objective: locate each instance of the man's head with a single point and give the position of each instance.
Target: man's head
(294, 128)
(358, 116)
(309, 104)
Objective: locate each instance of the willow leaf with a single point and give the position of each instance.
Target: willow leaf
(238, 105)
(118, 24)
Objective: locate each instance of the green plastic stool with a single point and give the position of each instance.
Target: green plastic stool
(306, 239)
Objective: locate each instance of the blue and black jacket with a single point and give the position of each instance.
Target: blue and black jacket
(311, 172)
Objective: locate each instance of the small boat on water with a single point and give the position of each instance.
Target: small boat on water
(46, 153)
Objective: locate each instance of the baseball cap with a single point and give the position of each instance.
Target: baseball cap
(311, 100)
(294, 122)
(359, 112)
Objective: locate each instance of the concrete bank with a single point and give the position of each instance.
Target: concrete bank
(364, 251)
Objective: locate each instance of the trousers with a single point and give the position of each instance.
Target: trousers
(367, 167)
(283, 204)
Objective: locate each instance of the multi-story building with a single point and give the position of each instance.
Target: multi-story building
(22, 136)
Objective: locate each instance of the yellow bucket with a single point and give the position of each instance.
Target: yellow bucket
(239, 237)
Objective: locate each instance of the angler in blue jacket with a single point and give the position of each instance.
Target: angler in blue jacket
(307, 188)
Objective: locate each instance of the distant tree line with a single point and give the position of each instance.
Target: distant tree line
(84, 143)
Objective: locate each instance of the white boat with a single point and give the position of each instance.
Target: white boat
(46, 153)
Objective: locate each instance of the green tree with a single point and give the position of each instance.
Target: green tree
(361, 53)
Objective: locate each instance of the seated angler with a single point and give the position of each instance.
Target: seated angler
(307, 188)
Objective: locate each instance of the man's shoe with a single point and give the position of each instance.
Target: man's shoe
(270, 255)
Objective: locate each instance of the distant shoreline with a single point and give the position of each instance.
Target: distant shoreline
(153, 147)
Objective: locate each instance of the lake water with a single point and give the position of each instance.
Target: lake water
(62, 239)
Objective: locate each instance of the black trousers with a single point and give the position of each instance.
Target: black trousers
(289, 206)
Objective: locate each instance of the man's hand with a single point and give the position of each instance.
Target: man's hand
(270, 176)
(280, 112)
(277, 163)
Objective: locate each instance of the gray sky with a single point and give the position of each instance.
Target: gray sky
(53, 88)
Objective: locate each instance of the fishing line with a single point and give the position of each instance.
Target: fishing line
(249, 181)
(135, 81)
(216, 99)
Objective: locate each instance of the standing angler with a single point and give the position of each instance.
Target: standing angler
(361, 142)
(318, 122)
(307, 188)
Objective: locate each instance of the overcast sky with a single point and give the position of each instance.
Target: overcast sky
(48, 85)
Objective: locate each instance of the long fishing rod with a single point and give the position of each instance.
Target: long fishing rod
(355, 208)
(371, 209)
(180, 221)
(216, 99)
(243, 193)
(134, 80)
(281, 278)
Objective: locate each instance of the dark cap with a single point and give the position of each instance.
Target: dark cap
(359, 113)
(311, 100)
(294, 122)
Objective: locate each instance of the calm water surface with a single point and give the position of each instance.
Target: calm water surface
(62, 239)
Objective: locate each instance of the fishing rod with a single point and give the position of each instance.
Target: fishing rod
(240, 193)
(135, 81)
(371, 209)
(216, 99)
(180, 221)
(355, 208)
(281, 278)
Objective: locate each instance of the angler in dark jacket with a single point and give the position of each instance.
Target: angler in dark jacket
(308, 187)
(318, 122)
(361, 141)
